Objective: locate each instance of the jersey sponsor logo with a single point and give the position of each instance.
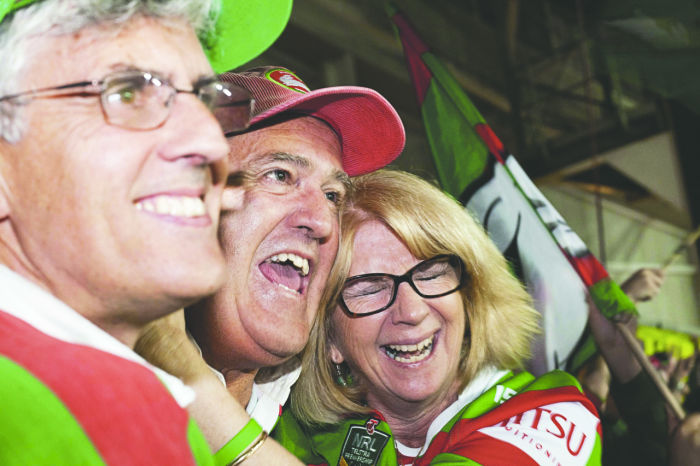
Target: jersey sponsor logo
(503, 393)
(556, 434)
(287, 79)
(362, 447)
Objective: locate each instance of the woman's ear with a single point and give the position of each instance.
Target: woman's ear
(336, 355)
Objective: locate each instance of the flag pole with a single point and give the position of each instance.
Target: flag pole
(691, 238)
(638, 353)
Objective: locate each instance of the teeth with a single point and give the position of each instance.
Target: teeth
(176, 206)
(287, 288)
(416, 347)
(423, 348)
(298, 262)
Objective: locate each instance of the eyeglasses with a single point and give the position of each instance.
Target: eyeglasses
(370, 293)
(142, 100)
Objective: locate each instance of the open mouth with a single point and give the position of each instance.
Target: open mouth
(410, 353)
(287, 270)
(174, 206)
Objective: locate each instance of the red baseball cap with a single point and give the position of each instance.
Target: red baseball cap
(370, 131)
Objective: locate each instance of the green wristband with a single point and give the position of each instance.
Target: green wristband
(238, 444)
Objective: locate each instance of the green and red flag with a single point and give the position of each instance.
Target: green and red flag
(474, 166)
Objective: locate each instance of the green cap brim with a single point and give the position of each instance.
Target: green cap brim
(245, 29)
(8, 6)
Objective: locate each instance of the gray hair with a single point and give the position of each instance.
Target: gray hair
(60, 17)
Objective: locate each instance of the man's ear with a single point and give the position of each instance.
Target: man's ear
(336, 355)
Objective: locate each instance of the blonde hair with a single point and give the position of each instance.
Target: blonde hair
(500, 319)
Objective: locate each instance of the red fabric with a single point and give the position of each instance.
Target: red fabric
(413, 48)
(487, 450)
(494, 144)
(403, 459)
(588, 267)
(459, 439)
(123, 407)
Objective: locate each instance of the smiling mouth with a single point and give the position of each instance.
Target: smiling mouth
(286, 270)
(174, 206)
(410, 353)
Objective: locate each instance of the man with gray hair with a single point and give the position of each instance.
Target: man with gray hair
(112, 163)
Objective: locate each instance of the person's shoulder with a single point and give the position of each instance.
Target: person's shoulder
(57, 393)
(522, 391)
(36, 424)
(556, 389)
(555, 379)
(545, 418)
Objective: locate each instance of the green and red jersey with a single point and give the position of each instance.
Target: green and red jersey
(72, 394)
(499, 419)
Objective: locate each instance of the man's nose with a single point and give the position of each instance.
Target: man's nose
(315, 213)
(195, 132)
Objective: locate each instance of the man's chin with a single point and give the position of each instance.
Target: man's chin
(275, 356)
(287, 354)
(190, 288)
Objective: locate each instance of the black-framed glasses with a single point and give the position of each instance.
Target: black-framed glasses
(370, 293)
(142, 100)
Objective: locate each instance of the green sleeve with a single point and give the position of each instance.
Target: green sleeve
(291, 436)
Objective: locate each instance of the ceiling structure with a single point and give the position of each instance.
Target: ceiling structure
(561, 82)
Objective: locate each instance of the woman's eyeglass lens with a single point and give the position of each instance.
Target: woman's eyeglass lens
(372, 293)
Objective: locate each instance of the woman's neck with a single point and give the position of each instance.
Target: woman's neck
(410, 420)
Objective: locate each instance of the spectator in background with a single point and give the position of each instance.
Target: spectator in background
(636, 422)
(685, 444)
(691, 403)
(644, 284)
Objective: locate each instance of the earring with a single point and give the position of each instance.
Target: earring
(339, 377)
(342, 377)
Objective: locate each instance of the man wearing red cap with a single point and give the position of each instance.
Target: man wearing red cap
(280, 239)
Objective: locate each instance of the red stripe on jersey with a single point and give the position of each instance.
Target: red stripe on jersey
(459, 438)
(122, 406)
(488, 450)
(403, 459)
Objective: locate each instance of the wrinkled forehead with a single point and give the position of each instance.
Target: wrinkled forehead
(165, 45)
(307, 142)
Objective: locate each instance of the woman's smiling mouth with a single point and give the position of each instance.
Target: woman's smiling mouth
(410, 353)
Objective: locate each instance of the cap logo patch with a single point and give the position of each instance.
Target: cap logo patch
(287, 79)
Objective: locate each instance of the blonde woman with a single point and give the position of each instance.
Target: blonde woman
(416, 357)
